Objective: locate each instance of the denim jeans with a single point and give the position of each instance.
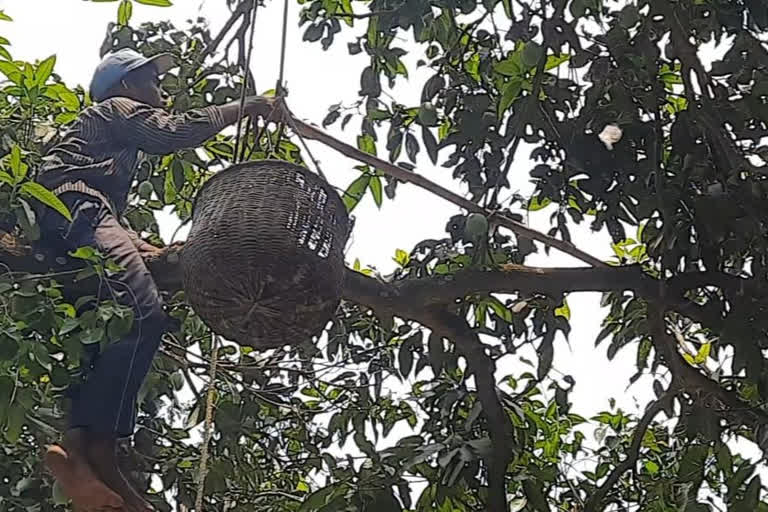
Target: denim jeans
(104, 400)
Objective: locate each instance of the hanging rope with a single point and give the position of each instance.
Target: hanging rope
(280, 88)
(281, 76)
(246, 75)
(215, 342)
(281, 105)
(208, 428)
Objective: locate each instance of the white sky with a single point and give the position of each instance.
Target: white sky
(74, 29)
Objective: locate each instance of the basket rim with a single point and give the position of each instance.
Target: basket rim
(261, 163)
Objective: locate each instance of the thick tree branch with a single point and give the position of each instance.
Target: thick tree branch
(404, 296)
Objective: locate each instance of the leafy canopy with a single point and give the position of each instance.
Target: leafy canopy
(682, 194)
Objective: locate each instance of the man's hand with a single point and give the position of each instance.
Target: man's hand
(271, 109)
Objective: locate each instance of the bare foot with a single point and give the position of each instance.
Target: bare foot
(103, 458)
(79, 482)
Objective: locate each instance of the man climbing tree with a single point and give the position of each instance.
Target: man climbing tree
(92, 169)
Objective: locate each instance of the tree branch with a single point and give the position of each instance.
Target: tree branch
(405, 296)
(363, 16)
(499, 426)
(242, 9)
(596, 501)
(311, 132)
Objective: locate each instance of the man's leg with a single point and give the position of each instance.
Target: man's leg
(69, 461)
(103, 407)
(120, 370)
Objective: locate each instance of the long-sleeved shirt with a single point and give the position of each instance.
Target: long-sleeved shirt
(102, 147)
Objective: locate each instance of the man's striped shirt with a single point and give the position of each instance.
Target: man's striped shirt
(102, 147)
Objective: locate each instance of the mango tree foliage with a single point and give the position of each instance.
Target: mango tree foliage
(682, 194)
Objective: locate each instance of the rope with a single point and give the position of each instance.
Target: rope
(246, 74)
(280, 89)
(207, 429)
(315, 163)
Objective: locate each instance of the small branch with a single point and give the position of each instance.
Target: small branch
(366, 15)
(311, 132)
(690, 380)
(241, 10)
(595, 503)
(499, 426)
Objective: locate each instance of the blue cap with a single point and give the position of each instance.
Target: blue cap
(115, 66)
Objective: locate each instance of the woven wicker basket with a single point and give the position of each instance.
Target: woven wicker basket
(263, 264)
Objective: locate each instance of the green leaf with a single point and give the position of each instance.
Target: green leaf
(402, 257)
(84, 253)
(554, 61)
(169, 186)
(411, 147)
(511, 92)
(91, 336)
(317, 499)
(66, 117)
(46, 197)
(436, 352)
(4, 17)
(15, 421)
(156, 3)
(535, 494)
(44, 70)
(15, 163)
(564, 311)
(430, 143)
(546, 353)
(629, 16)
(12, 71)
(375, 186)
(511, 66)
(517, 505)
(69, 325)
(356, 191)
(536, 204)
(499, 308)
(124, 12)
(59, 498)
(703, 354)
(531, 54)
(366, 144)
(345, 7)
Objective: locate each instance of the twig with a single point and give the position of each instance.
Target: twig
(241, 10)
(363, 16)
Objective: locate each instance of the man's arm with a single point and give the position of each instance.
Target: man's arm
(155, 131)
